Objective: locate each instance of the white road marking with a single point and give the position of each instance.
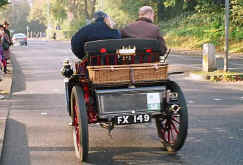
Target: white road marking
(234, 63)
(44, 113)
(217, 99)
(220, 130)
(191, 102)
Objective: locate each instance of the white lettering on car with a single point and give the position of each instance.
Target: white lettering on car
(146, 118)
(125, 119)
(119, 119)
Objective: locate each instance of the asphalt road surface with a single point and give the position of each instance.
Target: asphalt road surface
(38, 133)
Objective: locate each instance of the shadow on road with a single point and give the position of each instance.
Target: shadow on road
(15, 147)
(131, 155)
(18, 76)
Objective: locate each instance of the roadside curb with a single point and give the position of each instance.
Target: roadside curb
(230, 78)
(198, 53)
(3, 123)
(5, 93)
(6, 83)
(194, 76)
(186, 52)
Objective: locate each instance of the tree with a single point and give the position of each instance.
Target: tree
(3, 3)
(237, 12)
(80, 8)
(17, 14)
(89, 9)
(36, 26)
(58, 11)
(38, 12)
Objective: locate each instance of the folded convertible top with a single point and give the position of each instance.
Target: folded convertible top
(112, 45)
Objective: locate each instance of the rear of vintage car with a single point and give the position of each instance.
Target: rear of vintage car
(128, 79)
(121, 82)
(130, 105)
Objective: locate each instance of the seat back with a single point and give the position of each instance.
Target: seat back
(106, 52)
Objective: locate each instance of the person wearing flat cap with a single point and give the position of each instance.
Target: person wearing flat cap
(6, 40)
(100, 29)
(5, 25)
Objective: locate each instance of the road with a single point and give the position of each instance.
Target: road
(37, 130)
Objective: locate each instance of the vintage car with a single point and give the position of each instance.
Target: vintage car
(132, 74)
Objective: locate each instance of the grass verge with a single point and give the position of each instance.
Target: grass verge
(220, 75)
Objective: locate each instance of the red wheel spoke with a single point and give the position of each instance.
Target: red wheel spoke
(178, 122)
(165, 137)
(173, 125)
(163, 133)
(77, 136)
(168, 136)
(169, 130)
(172, 136)
(163, 130)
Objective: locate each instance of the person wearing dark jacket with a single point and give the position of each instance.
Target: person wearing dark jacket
(7, 42)
(5, 25)
(101, 29)
(144, 28)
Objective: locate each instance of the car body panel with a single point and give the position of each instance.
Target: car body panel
(19, 39)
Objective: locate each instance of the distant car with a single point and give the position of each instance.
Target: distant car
(19, 38)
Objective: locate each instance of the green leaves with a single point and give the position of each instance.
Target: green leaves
(169, 3)
(58, 11)
(3, 3)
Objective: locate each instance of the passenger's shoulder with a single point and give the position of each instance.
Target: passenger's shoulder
(115, 30)
(154, 26)
(131, 24)
(157, 27)
(116, 33)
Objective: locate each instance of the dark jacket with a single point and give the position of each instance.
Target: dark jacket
(7, 32)
(8, 37)
(144, 28)
(92, 32)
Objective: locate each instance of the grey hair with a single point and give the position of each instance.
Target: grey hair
(145, 10)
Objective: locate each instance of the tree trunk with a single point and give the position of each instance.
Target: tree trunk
(93, 8)
(191, 5)
(161, 10)
(178, 7)
(86, 10)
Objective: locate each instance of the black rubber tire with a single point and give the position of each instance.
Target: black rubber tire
(183, 126)
(68, 97)
(81, 149)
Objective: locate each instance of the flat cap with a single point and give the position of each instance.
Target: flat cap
(100, 14)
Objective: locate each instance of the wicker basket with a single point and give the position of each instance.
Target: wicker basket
(127, 73)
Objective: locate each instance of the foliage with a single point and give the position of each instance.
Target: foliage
(221, 75)
(38, 12)
(80, 8)
(199, 21)
(16, 14)
(58, 11)
(3, 3)
(36, 26)
(237, 12)
(206, 24)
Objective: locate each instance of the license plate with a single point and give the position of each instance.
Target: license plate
(132, 119)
